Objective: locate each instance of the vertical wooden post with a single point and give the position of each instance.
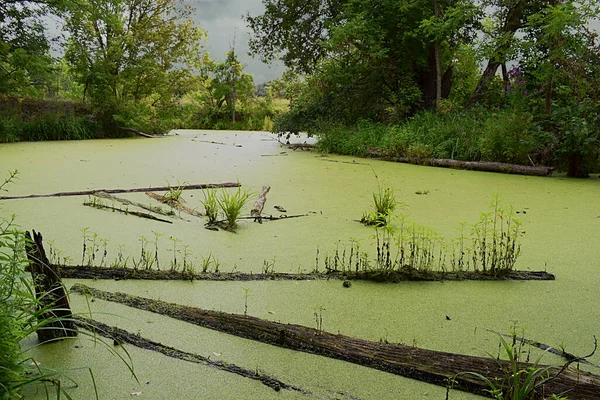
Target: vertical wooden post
(50, 293)
(260, 204)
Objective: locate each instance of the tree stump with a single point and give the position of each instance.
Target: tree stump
(260, 204)
(53, 304)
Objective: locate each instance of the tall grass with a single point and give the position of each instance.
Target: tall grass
(491, 246)
(231, 205)
(476, 134)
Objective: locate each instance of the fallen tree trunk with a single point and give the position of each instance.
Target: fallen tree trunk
(426, 365)
(128, 212)
(140, 133)
(469, 165)
(53, 304)
(134, 190)
(157, 210)
(175, 204)
(260, 204)
(296, 146)
(84, 272)
(122, 336)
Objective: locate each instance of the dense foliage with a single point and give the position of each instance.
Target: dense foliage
(387, 61)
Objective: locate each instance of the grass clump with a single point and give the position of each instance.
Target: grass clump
(384, 204)
(231, 205)
(210, 204)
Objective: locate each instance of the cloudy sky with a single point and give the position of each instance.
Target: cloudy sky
(222, 19)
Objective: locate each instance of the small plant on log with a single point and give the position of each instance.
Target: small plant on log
(174, 193)
(318, 314)
(231, 205)
(156, 237)
(246, 290)
(175, 241)
(269, 266)
(121, 261)
(211, 207)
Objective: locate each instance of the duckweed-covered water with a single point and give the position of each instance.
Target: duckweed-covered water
(561, 218)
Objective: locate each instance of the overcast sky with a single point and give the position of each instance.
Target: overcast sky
(221, 19)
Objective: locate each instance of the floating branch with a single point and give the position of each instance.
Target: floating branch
(213, 142)
(260, 204)
(123, 336)
(121, 200)
(296, 146)
(175, 204)
(561, 353)
(129, 212)
(135, 190)
(470, 165)
(345, 162)
(140, 133)
(426, 365)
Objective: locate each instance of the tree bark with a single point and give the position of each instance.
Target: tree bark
(426, 365)
(53, 307)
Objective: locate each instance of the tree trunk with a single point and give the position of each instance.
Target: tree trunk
(512, 23)
(53, 307)
(576, 167)
(260, 204)
(430, 366)
(438, 63)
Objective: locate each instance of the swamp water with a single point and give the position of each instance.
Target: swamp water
(562, 224)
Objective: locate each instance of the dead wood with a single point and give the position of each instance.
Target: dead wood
(55, 315)
(128, 212)
(134, 190)
(213, 142)
(469, 165)
(85, 272)
(175, 204)
(345, 162)
(426, 365)
(157, 210)
(122, 336)
(561, 353)
(296, 146)
(140, 133)
(260, 204)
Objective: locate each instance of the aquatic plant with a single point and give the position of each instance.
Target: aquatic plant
(246, 290)
(174, 193)
(231, 205)
(175, 250)
(269, 266)
(519, 382)
(211, 207)
(156, 237)
(384, 204)
(318, 314)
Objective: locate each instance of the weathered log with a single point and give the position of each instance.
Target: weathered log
(134, 190)
(128, 212)
(84, 272)
(260, 204)
(296, 146)
(140, 133)
(426, 365)
(175, 204)
(157, 210)
(469, 165)
(122, 336)
(53, 304)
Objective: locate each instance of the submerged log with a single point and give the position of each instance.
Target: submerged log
(122, 336)
(426, 365)
(469, 165)
(260, 204)
(121, 200)
(128, 212)
(143, 134)
(175, 204)
(134, 190)
(55, 314)
(84, 272)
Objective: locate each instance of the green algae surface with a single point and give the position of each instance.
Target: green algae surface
(561, 218)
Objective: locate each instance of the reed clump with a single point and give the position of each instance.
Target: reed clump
(491, 246)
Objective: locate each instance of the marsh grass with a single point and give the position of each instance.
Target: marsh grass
(384, 204)
(22, 314)
(210, 204)
(231, 205)
(174, 194)
(491, 246)
(518, 382)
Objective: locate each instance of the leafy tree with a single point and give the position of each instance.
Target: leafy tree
(126, 51)
(25, 64)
